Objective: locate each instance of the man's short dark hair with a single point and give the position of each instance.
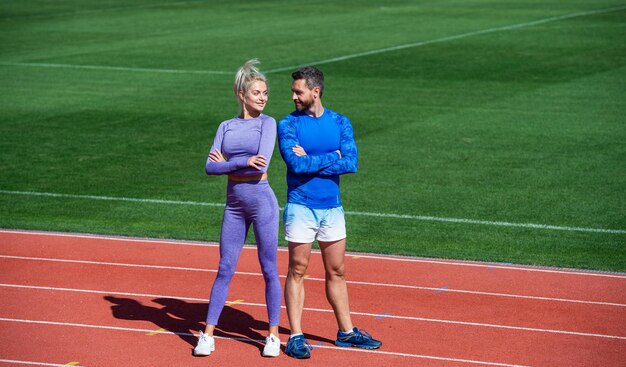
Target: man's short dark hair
(312, 76)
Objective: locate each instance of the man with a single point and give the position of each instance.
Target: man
(318, 146)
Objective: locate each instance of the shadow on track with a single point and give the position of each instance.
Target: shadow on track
(186, 318)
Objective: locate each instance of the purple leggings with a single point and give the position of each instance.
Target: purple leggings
(251, 202)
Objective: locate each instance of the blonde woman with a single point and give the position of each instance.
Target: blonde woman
(242, 149)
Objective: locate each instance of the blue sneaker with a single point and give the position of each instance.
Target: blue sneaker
(357, 338)
(298, 347)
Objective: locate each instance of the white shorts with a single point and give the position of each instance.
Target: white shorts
(305, 225)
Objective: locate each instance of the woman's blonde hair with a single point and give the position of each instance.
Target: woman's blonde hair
(246, 75)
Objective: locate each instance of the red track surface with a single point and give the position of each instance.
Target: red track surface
(100, 301)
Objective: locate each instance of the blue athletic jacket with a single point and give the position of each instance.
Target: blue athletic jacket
(313, 179)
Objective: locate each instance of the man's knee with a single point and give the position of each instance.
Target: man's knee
(337, 271)
(297, 268)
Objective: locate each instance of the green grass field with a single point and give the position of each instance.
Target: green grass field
(505, 116)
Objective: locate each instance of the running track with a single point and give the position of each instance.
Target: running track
(81, 300)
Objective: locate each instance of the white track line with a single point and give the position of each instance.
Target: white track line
(576, 272)
(96, 11)
(116, 68)
(502, 266)
(373, 284)
(320, 310)
(340, 58)
(366, 214)
(42, 322)
(488, 222)
(13, 361)
(452, 38)
(119, 238)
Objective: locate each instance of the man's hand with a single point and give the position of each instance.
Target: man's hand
(299, 151)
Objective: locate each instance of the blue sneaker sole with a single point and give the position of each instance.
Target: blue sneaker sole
(299, 357)
(344, 344)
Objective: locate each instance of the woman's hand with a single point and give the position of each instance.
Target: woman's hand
(257, 161)
(216, 156)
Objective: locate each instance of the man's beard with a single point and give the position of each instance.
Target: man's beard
(304, 105)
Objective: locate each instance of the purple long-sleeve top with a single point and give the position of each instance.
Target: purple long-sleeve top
(239, 139)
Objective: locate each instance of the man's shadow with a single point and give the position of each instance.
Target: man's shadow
(185, 319)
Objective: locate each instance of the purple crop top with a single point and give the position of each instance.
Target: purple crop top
(239, 139)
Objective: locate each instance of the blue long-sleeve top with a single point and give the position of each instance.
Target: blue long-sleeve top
(313, 179)
(239, 139)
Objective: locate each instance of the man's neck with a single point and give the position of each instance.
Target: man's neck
(316, 110)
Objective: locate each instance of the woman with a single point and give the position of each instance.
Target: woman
(242, 149)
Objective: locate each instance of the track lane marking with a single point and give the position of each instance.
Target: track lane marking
(338, 58)
(374, 284)
(14, 361)
(354, 213)
(396, 354)
(320, 310)
(453, 37)
(317, 252)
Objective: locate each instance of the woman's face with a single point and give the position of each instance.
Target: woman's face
(256, 97)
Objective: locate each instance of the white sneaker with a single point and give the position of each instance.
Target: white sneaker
(272, 346)
(206, 345)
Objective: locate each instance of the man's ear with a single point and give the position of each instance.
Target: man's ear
(316, 92)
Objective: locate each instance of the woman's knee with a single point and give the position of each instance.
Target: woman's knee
(226, 270)
(269, 270)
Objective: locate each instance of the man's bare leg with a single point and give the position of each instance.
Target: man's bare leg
(299, 254)
(333, 255)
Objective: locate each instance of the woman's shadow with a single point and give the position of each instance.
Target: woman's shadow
(185, 318)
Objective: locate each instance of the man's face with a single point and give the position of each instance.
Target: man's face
(301, 94)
